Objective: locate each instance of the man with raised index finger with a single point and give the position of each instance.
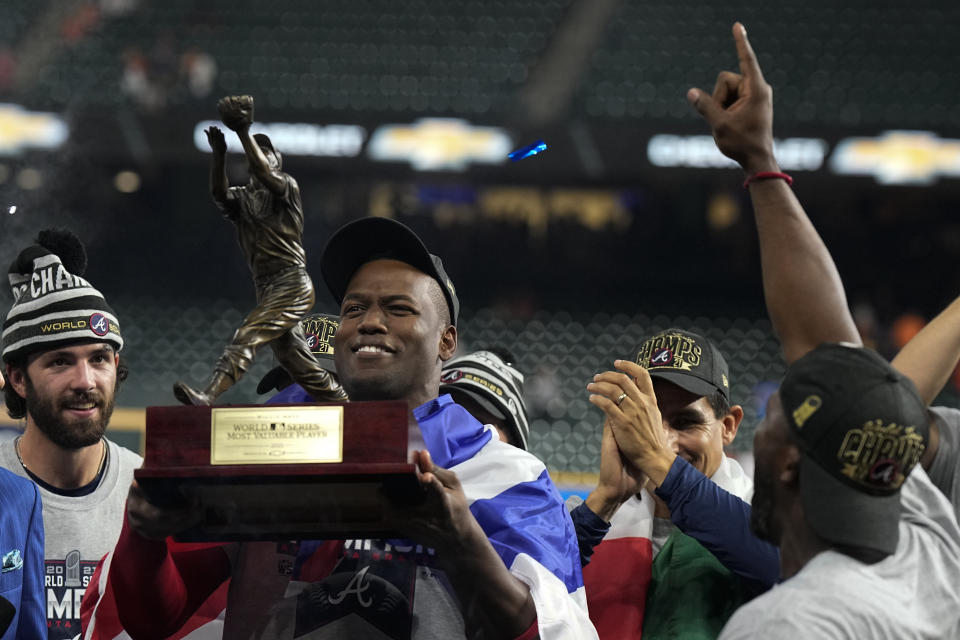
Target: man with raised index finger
(869, 547)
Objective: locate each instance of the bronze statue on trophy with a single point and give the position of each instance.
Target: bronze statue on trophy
(268, 215)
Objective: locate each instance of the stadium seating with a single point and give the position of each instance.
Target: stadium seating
(832, 64)
(422, 56)
(18, 15)
(837, 65)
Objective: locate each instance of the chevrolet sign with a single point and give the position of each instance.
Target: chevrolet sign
(899, 157)
(434, 144)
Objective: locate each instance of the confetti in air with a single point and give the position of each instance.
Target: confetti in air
(12, 209)
(529, 150)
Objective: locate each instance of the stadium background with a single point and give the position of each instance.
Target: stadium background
(629, 223)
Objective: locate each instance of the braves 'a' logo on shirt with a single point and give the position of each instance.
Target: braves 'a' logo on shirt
(374, 581)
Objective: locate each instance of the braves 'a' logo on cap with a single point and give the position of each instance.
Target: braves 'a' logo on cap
(661, 357)
(99, 324)
(879, 455)
(883, 473)
(670, 350)
(312, 340)
(451, 376)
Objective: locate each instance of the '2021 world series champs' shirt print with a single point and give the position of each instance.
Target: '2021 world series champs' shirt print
(64, 582)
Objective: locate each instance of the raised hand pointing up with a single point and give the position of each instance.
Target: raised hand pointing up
(740, 110)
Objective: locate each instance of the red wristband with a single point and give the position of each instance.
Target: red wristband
(767, 175)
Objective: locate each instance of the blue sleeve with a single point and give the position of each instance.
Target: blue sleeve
(590, 531)
(720, 521)
(33, 597)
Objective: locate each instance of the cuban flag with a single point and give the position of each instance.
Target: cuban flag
(515, 502)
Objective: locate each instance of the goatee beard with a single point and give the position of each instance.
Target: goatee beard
(47, 415)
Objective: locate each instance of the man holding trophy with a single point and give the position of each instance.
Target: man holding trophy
(488, 549)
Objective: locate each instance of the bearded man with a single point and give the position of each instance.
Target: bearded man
(61, 348)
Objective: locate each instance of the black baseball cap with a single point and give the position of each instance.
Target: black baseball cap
(862, 427)
(366, 239)
(686, 359)
(318, 329)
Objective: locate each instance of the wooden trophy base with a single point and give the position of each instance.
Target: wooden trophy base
(281, 472)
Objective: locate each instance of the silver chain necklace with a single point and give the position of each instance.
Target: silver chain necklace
(103, 455)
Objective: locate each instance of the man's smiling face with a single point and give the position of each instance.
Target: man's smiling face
(390, 344)
(69, 392)
(693, 430)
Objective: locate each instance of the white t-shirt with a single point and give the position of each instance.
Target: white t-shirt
(912, 594)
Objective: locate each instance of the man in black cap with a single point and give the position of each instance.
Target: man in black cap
(491, 550)
(668, 496)
(869, 547)
(268, 216)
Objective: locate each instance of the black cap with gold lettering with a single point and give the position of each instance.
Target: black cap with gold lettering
(686, 359)
(862, 427)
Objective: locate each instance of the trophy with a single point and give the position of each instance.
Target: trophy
(280, 472)
(274, 472)
(268, 217)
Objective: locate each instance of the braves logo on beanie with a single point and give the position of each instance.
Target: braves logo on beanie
(52, 304)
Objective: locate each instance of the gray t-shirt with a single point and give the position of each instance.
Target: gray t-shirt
(78, 532)
(911, 594)
(944, 470)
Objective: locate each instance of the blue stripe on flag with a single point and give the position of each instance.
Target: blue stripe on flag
(451, 434)
(531, 518)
